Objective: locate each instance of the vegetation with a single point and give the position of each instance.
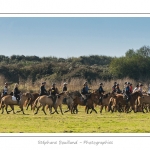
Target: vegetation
(33, 69)
(75, 123)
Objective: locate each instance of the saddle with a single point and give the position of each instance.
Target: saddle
(14, 98)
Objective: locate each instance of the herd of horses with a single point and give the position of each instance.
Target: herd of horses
(113, 102)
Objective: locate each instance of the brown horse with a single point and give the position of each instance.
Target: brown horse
(91, 99)
(118, 100)
(7, 100)
(45, 100)
(144, 102)
(105, 101)
(33, 97)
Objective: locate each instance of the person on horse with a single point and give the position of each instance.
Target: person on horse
(53, 92)
(17, 93)
(64, 90)
(114, 87)
(140, 87)
(5, 90)
(43, 91)
(118, 91)
(131, 89)
(127, 92)
(101, 92)
(85, 92)
(136, 88)
(124, 88)
(65, 87)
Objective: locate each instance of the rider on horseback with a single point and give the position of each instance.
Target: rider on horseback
(85, 92)
(53, 92)
(118, 91)
(5, 90)
(64, 89)
(42, 89)
(17, 93)
(114, 87)
(101, 91)
(127, 92)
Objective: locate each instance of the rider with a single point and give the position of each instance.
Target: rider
(65, 87)
(118, 91)
(53, 92)
(141, 87)
(131, 89)
(101, 91)
(114, 87)
(5, 90)
(42, 89)
(64, 90)
(127, 92)
(136, 88)
(85, 91)
(17, 93)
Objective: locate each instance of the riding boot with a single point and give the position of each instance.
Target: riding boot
(100, 101)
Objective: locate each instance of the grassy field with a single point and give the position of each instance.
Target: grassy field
(74, 123)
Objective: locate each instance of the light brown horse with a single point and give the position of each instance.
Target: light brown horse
(45, 100)
(118, 100)
(33, 97)
(7, 100)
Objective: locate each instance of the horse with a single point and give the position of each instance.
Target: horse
(144, 102)
(118, 100)
(105, 101)
(45, 100)
(33, 97)
(7, 100)
(91, 98)
(69, 102)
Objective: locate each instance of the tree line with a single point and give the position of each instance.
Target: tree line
(135, 65)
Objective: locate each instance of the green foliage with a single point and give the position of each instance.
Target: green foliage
(135, 65)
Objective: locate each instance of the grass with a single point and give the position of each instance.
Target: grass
(75, 123)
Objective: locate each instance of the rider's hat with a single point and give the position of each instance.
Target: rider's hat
(140, 84)
(65, 83)
(6, 83)
(117, 83)
(101, 83)
(54, 84)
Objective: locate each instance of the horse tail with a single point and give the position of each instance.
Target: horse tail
(35, 103)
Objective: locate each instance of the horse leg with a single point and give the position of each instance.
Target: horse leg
(38, 109)
(101, 108)
(43, 109)
(94, 109)
(28, 106)
(12, 107)
(60, 107)
(143, 108)
(6, 109)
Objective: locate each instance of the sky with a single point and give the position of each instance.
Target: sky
(66, 37)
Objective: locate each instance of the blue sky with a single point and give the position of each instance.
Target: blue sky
(72, 36)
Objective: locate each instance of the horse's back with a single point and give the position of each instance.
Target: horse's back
(44, 99)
